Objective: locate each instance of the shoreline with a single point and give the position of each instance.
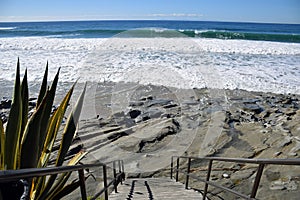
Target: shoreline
(90, 107)
(178, 62)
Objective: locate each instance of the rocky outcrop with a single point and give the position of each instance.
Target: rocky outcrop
(146, 125)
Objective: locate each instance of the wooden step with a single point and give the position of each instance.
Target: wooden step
(153, 189)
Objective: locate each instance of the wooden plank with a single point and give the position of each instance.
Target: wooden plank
(153, 188)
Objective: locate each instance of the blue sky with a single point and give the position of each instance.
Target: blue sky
(274, 11)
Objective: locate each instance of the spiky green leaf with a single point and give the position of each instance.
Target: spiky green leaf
(24, 96)
(30, 140)
(53, 187)
(2, 143)
(67, 138)
(43, 89)
(13, 127)
(62, 180)
(46, 113)
(70, 129)
(53, 128)
(66, 190)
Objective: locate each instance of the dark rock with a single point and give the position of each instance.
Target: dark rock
(104, 122)
(154, 113)
(134, 113)
(149, 114)
(5, 104)
(32, 103)
(125, 121)
(290, 112)
(151, 143)
(253, 108)
(32, 99)
(159, 102)
(190, 103)
(176, 123)
(116, 135)
(250, 101)
(288, 100)
(167, 115)
(136, 103)
(265, 113)
(146, 98)
(170, 106)
(3, 117)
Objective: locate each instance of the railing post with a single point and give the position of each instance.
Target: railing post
(123, 170)
(172, 167)
(188, 174)
(105, 182)
(207, 178)
(177, 169)
(119, 163)
(120, 171)
(82, 184)
(257, 180)
(115, 176)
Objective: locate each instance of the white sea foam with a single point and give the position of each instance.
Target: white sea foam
(63, 35)
(179, 62)
(7, 28)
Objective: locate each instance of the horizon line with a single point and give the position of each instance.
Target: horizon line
(191, 20)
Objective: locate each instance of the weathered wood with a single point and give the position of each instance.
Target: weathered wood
(153, 188)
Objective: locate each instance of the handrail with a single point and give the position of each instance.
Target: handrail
(12, 175)
(261, 163)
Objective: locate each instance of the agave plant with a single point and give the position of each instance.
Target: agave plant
(28, 142)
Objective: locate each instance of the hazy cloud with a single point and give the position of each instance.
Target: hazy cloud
(176, 15)
(99, 17)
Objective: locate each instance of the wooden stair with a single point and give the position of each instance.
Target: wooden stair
(153, 189)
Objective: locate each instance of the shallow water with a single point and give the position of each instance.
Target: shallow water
(177, 62)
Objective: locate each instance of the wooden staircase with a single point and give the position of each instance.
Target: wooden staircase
(153, 189)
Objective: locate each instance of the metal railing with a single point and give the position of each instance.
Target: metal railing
(117, 170)
(260, 162)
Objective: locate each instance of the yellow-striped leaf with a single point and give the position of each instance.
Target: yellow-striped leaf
(53, 128)
(70, 129)
(63, 178)
(46, 114)
(68, 134)
(43, 87)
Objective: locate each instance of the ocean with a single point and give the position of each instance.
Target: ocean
(197, 29)
(250, 56)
